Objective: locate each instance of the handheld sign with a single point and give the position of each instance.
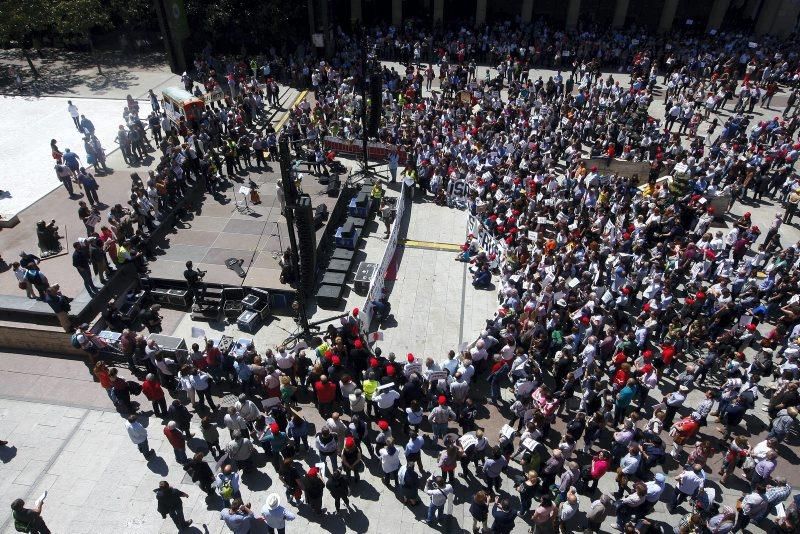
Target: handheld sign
(437, 375)
(507, 432)
(530, 444)
(467, 441)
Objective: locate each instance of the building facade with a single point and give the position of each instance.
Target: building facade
(775, 17)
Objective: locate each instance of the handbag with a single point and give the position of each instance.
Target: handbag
(749, 463)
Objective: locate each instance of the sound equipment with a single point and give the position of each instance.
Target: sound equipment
(175, 298)
(346, 236)
(374, 119)
(232, 308)
(333, 278)
(306, 242)
(334, 184)
(232, 293)
(249, 321)
(320, 215)
(251, 302)
(338, 266)
(363, 277)
(328, 296)
(340, 253)
(173, 346)
(359, 205)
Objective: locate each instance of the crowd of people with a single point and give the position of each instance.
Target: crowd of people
(626, 319)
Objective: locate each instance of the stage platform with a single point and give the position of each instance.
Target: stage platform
(216, 231)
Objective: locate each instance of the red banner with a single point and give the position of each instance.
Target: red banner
(375, 151)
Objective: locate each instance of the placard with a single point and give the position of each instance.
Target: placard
(384, 387)
(507, 431)
(530, 443)
(437, 375)
(270, 402)
(751, 44)
(198, 333)
(414, 367)
(244, 190)
(467, 440)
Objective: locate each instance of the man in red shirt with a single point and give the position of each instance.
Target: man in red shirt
(152, 390)
(177, 440)
(326, 395)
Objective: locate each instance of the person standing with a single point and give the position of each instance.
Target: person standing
(28, 519)
(314, 487)
(201, 473)
(340, 490)
(687, 484)
(138, 435)
(155, 394)
(238, 518)
(438, 492)
(275, 516)
(90, 185)
(169, 504)
(73, 112)
(80, 260)
(177, 440)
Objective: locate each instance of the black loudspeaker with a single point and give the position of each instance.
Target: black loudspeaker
(374, 122)
(306, 242)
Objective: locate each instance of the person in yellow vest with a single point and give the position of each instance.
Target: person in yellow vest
(377, 195)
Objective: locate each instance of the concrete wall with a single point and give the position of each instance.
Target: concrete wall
(39, 340)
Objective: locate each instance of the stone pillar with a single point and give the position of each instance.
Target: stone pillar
(438, 11)
(667, 15)
(480, 13)
(573, 12)
(620, 13)
(355, 12)
(785, 18)
(717, 14)
(312, 25)
(397, 13)
(766, 17)
(527, 11)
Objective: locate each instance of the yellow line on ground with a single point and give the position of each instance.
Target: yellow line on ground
(411, 243)
(285, 117)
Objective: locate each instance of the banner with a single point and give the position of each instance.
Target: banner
(485, 239)
(376, 284)
(375, 151)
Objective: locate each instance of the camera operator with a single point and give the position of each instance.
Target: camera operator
(194, 279)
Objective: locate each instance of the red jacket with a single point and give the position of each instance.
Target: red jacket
(175, 438)
(152, 390)
(325, 392)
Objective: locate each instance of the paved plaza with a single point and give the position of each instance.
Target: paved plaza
(65, 437)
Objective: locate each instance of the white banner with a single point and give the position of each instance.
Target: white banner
(376, 284)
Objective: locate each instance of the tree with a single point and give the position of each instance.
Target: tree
(22, 21)
(80, 17)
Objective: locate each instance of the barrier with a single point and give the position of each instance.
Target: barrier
(376, 151)
(376, 284)
(485, 239)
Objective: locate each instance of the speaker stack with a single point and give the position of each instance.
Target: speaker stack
(306, 243)
(374, 119)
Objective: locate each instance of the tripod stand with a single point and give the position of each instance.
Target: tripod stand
(243, 206)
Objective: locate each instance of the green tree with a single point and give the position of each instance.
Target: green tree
(23, 21)
(79, 18)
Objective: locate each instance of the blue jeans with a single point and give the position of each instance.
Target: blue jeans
(144, 447)
(180, 456)
(434, 510)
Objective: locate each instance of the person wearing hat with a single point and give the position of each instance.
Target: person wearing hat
(439, 418)
(275, 516)
(352, 461)
(339, 489)
(357, 402)
(314, 488)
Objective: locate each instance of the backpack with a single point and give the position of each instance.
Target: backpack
(226, 491)
(19, 525)
(74, 341)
